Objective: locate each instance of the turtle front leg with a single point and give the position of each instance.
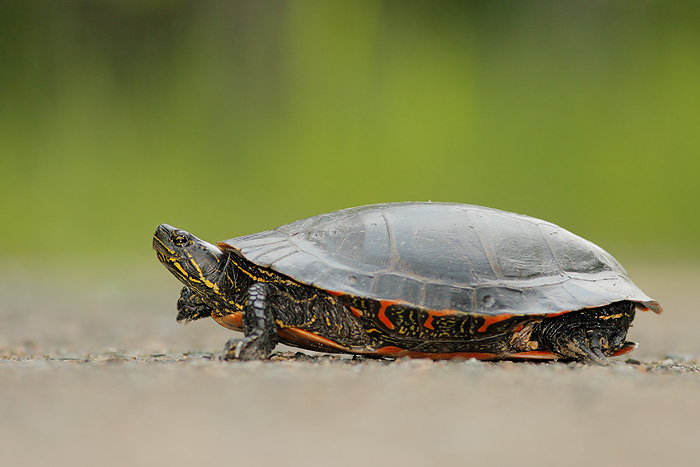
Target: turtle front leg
(190, 307)
(259, 328)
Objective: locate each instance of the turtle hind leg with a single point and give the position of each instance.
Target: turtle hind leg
(590, 335)
(259, 329)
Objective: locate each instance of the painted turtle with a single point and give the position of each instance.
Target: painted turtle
(436, 280)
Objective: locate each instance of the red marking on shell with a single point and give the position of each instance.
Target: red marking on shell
(432, 314)
(382, 314)
(546, 355)
(392, 351)
(558, 313)
(629, 346)
(397, 352)
(233, 321)
(650, 306)
(355, 311)
(534, 355)
(489, 320)
(301, 337)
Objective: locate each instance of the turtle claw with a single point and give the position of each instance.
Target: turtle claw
(584, 349)
(594, 354)
(595, 344)
(238, 349)
(232, 350)
(588, 349)
(245, 349)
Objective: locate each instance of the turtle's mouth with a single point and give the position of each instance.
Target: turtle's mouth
(164, 253)
(166, 258)
(171, 261)
(161, 257)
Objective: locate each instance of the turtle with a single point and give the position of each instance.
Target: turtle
(413, 279)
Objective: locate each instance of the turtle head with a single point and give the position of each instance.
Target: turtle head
(197, 264)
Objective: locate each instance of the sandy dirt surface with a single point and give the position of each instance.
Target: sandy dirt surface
(97, 372)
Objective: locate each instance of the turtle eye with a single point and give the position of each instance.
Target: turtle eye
(179, 240)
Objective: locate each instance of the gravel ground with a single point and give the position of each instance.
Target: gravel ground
(96, 372)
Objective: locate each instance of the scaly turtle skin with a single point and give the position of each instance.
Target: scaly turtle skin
(435, 280)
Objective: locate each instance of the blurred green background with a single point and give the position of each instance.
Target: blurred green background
(225, 118)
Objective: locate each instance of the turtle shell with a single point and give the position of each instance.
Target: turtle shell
(445, 256)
